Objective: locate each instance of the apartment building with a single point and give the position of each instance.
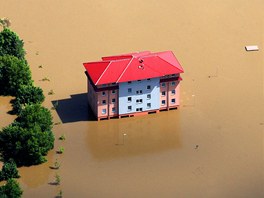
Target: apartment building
(133, 84)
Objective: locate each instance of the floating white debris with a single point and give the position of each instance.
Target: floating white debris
(252, 48)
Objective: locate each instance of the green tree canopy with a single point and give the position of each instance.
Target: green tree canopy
(27, 146)
(10, 44)
(35, 114)
(9, 170)
(14, 73)
(27, 94)
(11, 189)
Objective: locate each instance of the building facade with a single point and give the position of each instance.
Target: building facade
(133, 84)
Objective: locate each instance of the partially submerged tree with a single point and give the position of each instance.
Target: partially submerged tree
(9, 170)
(35, 114)
(14, 73)
(11, 44)
(11, 189)
(27, 94)
(5, 22)
(29, 138)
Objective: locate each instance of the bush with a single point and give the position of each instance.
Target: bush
(10, 44)
(9, 170)
(11, 189)
(13, 74)
(27, 94)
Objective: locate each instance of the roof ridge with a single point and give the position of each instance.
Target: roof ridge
(103, 72)
(170, 63)
(124, 70)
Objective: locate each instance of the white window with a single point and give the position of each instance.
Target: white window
(129, 108)
(148, 105)
(129, 99)
(173, 83)
(103, 111)
(103, 93)
(113, 91)
(139, 100)
(163, 93)
(149, 96)
(172, 92)
(148, 87)
(103, 102)
(163, 102)
(113, 109)
(113, 100)
(129, 90)
(173, 101)
(163, 84)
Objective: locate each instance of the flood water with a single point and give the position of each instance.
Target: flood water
(212, 146)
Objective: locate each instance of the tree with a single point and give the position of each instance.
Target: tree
(9, 170)
(27, 94)
(27, 146)
(14, 73)
(11, 189)
(10, 43)
(35, 114)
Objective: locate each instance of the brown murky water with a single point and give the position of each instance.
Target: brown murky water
(155, 155)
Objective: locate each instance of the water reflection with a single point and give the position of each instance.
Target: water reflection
(134, 136)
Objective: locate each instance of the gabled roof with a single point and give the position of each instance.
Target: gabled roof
(133, 66)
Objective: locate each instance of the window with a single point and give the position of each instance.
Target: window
(113, 109)
(103, 93)
(148, 105)
(129, 82)
(129, 99)
(163, 102)
(129, 90)
(139, 92)
(148, 79)
(163, 93)
(139, 80)
(163, 84)
(138, 109)
(173, 83)
(172, 92)
(129, 108)
(103, 111)
(113, 91)
(149, 96)
(103, 102)
(148, 87)
(139, 100)
(113, 100)
(173, 101)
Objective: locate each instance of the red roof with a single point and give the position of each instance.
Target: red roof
(133, 66)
